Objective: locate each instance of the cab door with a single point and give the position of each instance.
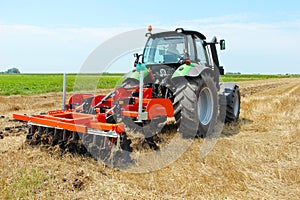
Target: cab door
(201, 53)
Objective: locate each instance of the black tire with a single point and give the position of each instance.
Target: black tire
(233, 105)
(196, 105)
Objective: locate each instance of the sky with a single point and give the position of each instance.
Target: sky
(59, 36)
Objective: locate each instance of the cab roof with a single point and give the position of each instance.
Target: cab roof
(178, 31)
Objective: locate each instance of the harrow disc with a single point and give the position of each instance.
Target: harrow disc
(111, 151)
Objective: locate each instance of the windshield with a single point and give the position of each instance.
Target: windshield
(168, 49)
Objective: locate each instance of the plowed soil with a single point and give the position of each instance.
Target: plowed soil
(255, 158)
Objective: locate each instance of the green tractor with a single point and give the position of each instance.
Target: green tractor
(182, 66)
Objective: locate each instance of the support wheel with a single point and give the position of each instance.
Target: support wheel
(233, 105)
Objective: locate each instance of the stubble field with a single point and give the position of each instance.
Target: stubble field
(256, 158)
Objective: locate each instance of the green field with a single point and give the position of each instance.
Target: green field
(28, 84)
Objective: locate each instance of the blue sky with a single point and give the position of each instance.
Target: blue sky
(58, 36)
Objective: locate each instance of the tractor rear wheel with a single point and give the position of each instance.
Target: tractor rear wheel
(196, 105)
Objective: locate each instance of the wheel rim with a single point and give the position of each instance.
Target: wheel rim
(236, 105)
(205, 106)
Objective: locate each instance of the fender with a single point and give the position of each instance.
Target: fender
(226, 88)
(192, 70)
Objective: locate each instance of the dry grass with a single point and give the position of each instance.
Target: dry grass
(257, 158)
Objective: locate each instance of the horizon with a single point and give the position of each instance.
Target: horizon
(121, 73)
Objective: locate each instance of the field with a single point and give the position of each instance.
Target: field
(28, 84)
(255, 158)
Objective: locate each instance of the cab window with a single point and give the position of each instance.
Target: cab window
(167, 49)
(201, 53)
(191, 48)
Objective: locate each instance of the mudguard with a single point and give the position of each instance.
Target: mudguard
(192, 70)
(226, 89)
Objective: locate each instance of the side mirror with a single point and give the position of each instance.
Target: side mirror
(137, 58)
(222, 44)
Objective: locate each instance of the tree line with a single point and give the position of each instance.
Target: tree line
(11, 71)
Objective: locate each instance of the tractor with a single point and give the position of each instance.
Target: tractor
(176, 76)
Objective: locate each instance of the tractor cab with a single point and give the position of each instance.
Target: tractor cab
(175, 48)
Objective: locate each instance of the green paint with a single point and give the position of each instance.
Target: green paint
(182, 70)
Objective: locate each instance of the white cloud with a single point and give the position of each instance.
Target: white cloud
(34, 49)
(233, 18)
(254, 47)
(251, 46)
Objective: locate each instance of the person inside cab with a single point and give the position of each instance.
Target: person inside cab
(172, 54)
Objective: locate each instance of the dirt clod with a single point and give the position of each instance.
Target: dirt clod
(78, 184)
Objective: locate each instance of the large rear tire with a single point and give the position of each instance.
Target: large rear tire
(196, 105)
